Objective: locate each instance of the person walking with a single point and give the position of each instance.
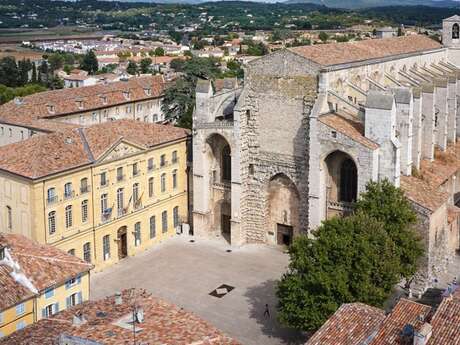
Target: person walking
(267, 312)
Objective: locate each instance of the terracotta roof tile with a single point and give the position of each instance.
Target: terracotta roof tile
(348, 127)
(164, 323)
(341, 53)
(351, 324)
(47, 154)
(64, 101)
(446, 323)
(43, 265)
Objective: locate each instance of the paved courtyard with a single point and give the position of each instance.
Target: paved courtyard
(185, 273)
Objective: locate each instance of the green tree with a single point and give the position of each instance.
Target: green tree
(67, 68)
(145, 65)
(43, 76)
(351, 259)
(400, 32)
(159, 51)
(386, 203)
(132, 68)
(323, 36)
(89, 63)
(56, 61)
(24, 67)
(34, 73)
(178, 102)
(9, 73)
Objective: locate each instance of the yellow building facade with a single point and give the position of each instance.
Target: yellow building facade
(17, 317)
(124, 201)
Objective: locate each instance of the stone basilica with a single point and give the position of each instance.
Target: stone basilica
(312, 125)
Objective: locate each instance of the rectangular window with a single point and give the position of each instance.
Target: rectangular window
(106, 247)
(151, 186)
(104, 179)
(20, 325)
(104, 206)
(20, 309)
(120, 176)
(174, 179)
(68, 216)
(162, 160)
(52, 222)
(164, 221)
(49, 292)
(50, 310)
(68, 190)
(153, 227)
(84, 211)
(87, 252)
(150, 164)
(137, 234)
(135, 169)
(9, 218)
(163, 183)
(73, 300)
(174, 157)
(176, 216)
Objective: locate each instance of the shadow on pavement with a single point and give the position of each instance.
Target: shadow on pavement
(260, 295)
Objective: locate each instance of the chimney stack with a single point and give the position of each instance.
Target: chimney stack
(118, 299)
(423, 334)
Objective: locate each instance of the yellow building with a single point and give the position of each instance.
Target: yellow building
(37, 281)
(102, 192)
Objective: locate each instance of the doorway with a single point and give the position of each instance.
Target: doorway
(122, 243)
(284, 234)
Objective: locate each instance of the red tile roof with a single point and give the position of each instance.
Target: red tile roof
(46, 154)
(64, 101)
(43, 265)
(163, 323)
(351, 324)
(352, 129)
(446, 323)
(341, 53)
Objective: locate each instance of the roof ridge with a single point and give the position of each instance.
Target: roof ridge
(86, 146)
(52, 259)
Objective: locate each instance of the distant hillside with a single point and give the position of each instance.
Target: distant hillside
(356, 4)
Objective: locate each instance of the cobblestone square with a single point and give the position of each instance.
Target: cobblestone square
(184, 273)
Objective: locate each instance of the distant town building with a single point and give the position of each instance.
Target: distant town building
(37, 281)
(117, 319)
(386, 32)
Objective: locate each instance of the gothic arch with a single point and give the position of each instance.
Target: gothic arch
(455, 31)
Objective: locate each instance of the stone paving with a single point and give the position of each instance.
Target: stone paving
(199, 276)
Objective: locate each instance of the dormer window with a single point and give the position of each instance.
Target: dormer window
(148, 91)
(79, 104)
(126, 95)
(104, 100)
(51, 108)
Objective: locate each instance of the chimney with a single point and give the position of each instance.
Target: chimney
(78, 319)
(118, 299)
(423, 334)
(18, 100)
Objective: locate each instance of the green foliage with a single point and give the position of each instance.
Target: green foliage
(89, 63)
(256, 48)
(234, 70)
(386, 203)
(323, 36)
(132, 68)
(159, 51)
(9, 73)
(354, 259)
(145, 65)
(351, 259)
(56, 61)
(8, 93)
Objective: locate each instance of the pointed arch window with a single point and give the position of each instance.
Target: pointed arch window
(455, 31)
(348, 181)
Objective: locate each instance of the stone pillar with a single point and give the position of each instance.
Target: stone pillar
(428, 116)
(417, 129)
(452, 110)
(440, 91)
(380, 124)
(404, 119)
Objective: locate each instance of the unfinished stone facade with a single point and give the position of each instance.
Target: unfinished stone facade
(311, 126)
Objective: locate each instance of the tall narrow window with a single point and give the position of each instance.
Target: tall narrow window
(68, 216)
(137, 234)
(153, 227)
(120, 174)
(162, 160)
(163, 183)
(174, 157)
(52, 222)
(87, 252)
(103, 179)
(348, 181)
(68, 190)
(51, 195)
(226, 164)
(164, 221)
(176, 216)
(150, 164)
(151, 185)
(104, 205)
(135, 192)
(84, 211)
(9, 218)
(455, 31)
(120, 202)
(106, 247)
(174, 179)
(135, 169)
(84, 185)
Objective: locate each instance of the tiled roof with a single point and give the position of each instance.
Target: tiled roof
(351, 324)
(348, 127)
(425, 189)
(405, 312)
(43, 265)
(75, 100)
(341, 53)
(163, 323)
(47, 154)
(446, 323)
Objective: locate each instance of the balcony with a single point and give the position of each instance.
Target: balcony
(105, 217)
(121, 212)
(69, 194)
(52, 200)
(85, 189)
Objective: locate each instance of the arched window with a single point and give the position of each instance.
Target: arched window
(87, 252)
(348, 181)
(52, 222)
(226, 164)
(455, 31)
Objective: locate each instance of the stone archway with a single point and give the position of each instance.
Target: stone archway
(341, 184)
(283, 210)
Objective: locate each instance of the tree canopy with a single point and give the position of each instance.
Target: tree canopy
(89, 62)
(359, 258)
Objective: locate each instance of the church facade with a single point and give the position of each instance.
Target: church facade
(311, 126)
